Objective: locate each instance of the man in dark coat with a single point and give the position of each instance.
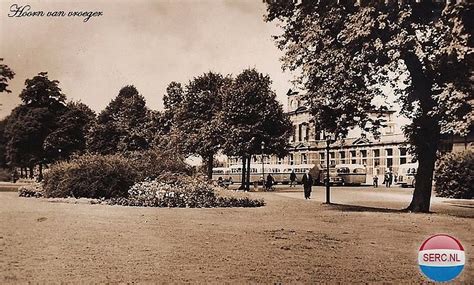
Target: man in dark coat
(292, 178)
(307, 184)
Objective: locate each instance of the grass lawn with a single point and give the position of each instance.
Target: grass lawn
(289, 240)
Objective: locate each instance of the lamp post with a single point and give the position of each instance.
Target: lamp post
(263, 167)
(328, 138)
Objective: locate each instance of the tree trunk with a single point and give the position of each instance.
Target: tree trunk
(424, 134)
(423, 182)
(247, 185)
(21, 172)
(40, 170)
(209, 165)
(242, 185)
(31, 172)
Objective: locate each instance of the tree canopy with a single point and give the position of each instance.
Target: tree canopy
(344, 52)
(197, 117)
(122, 126)
(6, 74)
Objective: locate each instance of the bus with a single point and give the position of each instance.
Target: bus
(352, 174)
(345, 174)
(280, 172)
(406, 174)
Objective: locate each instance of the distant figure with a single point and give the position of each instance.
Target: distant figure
(388, 179)
(14, 176)
(307, 184)
(376, 181)
(292, 178)
(269, 183)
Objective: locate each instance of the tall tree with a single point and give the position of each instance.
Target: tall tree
(197, 121)
(344, 51)
(30, 123)
(70, 135)
(252, 116)
(5, 74)
(122, 126)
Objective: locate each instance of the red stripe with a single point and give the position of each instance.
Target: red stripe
(441, 241)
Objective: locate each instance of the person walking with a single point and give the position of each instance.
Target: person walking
(269, 183)
(376, 181)
(307, 184)
(292, 178)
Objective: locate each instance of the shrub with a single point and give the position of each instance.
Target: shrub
(90, 176)
(152, 163)
(5, 175)
(185, 192)
(31, 190)
(454, 175)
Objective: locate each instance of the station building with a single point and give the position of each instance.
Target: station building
(308, 146)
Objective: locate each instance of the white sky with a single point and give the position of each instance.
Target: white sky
(145, 43)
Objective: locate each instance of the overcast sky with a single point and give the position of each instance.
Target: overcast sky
(145, 43)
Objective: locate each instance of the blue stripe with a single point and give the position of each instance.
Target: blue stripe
(441, 273)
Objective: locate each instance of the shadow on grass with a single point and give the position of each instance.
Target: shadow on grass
(356, 208)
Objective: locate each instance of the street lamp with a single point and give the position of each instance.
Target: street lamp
(328, 137)
(263, 167)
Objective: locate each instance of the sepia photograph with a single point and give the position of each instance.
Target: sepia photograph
(236, 141)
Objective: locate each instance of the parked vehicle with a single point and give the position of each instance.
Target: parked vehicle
(280, 172)
(406, 174)
(352, 174)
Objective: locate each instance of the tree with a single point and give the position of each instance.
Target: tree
(30, 123)
(252, 116)
(346, 52)
(197, 118)
(26, 131)
(5, 74)
(3, 143)
(70, 135)
(122, 126)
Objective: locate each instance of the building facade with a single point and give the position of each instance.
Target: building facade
(378, 155)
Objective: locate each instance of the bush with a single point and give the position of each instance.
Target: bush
(186, 192)
(90, 176)
(5, 175)
(454, 175)
(31, 190)
(152, 163)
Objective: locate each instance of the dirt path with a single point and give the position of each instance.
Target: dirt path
(289, 240)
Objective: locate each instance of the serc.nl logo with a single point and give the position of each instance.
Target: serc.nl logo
(441, 258)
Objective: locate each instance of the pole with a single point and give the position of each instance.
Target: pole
(328, 189)
(263, 173)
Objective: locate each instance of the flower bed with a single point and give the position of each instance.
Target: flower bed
(189, 192)
(32, 190)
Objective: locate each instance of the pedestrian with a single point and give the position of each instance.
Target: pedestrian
(390, 178)
(292, 178)
(307, 184)
(387, 179)
(269, 182)
(376, 181)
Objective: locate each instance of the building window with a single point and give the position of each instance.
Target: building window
(292, 159)
(321, 158)
(342, 155)
(300, 132)
(304, 159)
(389, 152)
(403, 160)
(353, 157)
(403, 151)
(363, 153)
(332, 157)
(306, 137)
(376, 152)
(389, 162)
